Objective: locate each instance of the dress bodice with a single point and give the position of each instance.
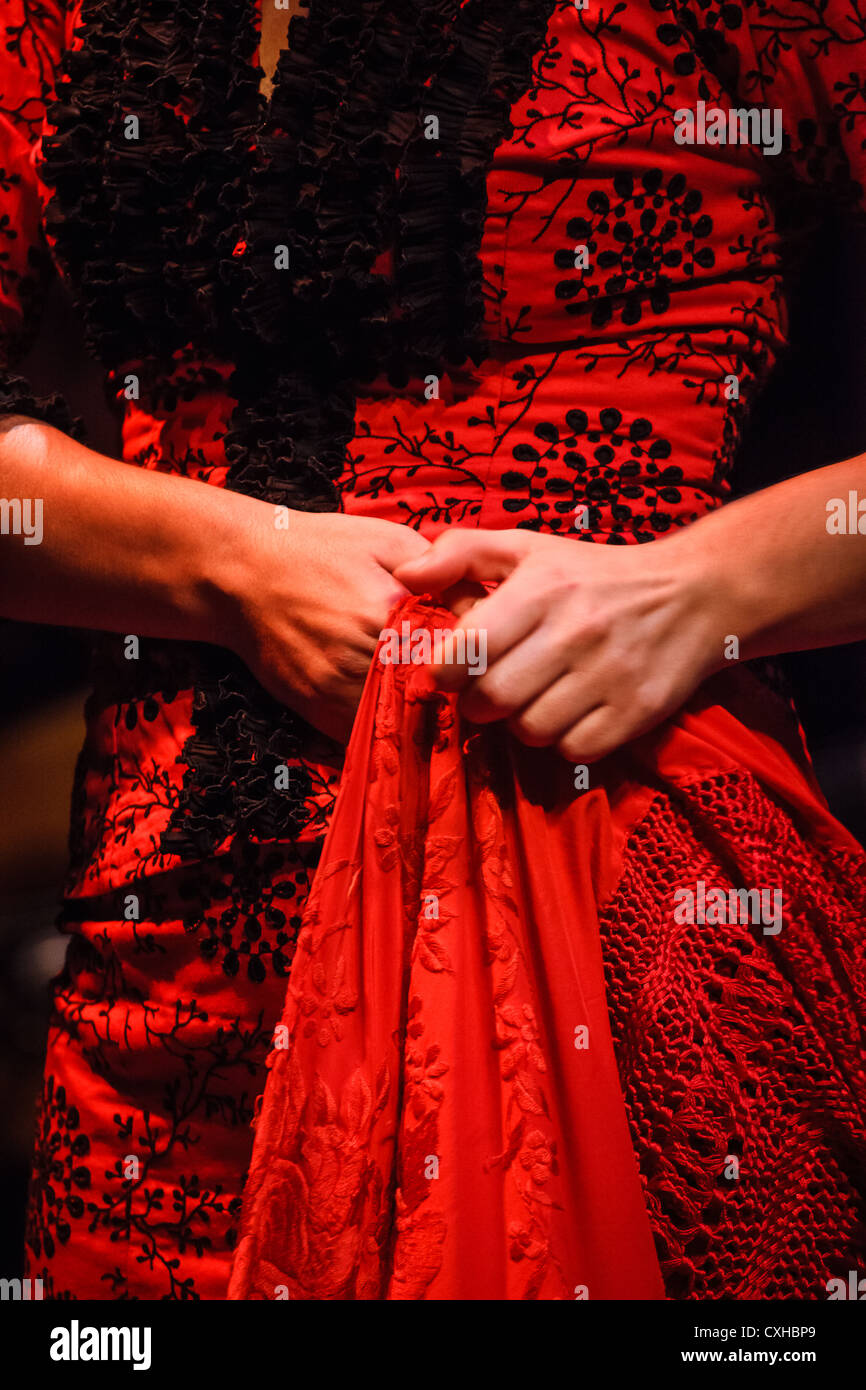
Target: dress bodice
(631, 280)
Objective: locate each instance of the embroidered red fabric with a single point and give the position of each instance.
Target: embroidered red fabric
(443, 1117)
(444, 1120)
(603, 404)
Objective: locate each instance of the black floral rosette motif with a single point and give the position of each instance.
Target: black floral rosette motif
(647, 228)
(616, 470)
(245, 917)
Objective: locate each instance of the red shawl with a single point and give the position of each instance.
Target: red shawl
(443, 1117)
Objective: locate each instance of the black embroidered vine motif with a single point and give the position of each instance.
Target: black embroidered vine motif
(304, 173)
(25, 43)
(658, 226)
(145, 1188)
(132, 1202)
(706, 32)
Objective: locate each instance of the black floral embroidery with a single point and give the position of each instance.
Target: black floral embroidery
(648, 227)
(703, 27)
(61, 1178)
(609, 467)
(29, 47)
(600, 469)
(246, 914)
(162, 1210)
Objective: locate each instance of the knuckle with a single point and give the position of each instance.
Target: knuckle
(587, 746)
(349, 664)
(331, 674)
(447, 542)
(319, 676)
(571, 749)
(643, 703)
(531, 731)
(558, 582)
(591, 632)
(494, 692)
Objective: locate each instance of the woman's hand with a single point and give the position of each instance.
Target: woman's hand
(135, 550)
(309, 603)
(587, 645)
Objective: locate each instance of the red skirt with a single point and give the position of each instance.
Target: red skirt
(549, 1041)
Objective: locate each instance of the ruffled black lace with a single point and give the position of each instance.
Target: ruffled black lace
(171, 239)
(17, 398)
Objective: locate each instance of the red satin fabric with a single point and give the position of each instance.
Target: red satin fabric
(438, 1124)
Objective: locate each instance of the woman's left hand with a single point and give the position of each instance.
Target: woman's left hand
(587, 645)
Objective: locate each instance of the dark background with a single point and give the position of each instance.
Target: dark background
(813, 413)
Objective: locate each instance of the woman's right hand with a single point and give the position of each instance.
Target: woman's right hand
(139, 551)
(308, 603)
(136, 550)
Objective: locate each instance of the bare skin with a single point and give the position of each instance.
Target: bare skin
(274, 38)
(132, 551)
(589, 646)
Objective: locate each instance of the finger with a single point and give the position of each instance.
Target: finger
(487, 631)
(598, 733)
(398, 546)
(463, 554)
(548, 718)
(380, 601)
(463, 596)
(516, 680)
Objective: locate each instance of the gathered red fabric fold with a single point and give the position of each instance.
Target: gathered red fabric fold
(443, 1117)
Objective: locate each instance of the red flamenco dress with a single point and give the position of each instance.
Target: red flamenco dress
(497, 1064)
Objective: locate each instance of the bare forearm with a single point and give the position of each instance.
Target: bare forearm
(116, 547)
(784, 578)
(299, 596)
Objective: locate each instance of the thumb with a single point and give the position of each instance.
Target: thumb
(461, 554)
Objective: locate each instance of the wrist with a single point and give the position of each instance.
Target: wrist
(225, 572)
(707, 558)
(250, 539)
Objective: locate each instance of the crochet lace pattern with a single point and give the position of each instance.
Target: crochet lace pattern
(720, 1046)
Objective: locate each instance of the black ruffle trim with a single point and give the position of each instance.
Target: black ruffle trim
(278, 449)
(442, 199)
(17, 398)
(171, 240)
(242, 736)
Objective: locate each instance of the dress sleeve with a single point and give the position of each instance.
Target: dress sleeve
(32, 38)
